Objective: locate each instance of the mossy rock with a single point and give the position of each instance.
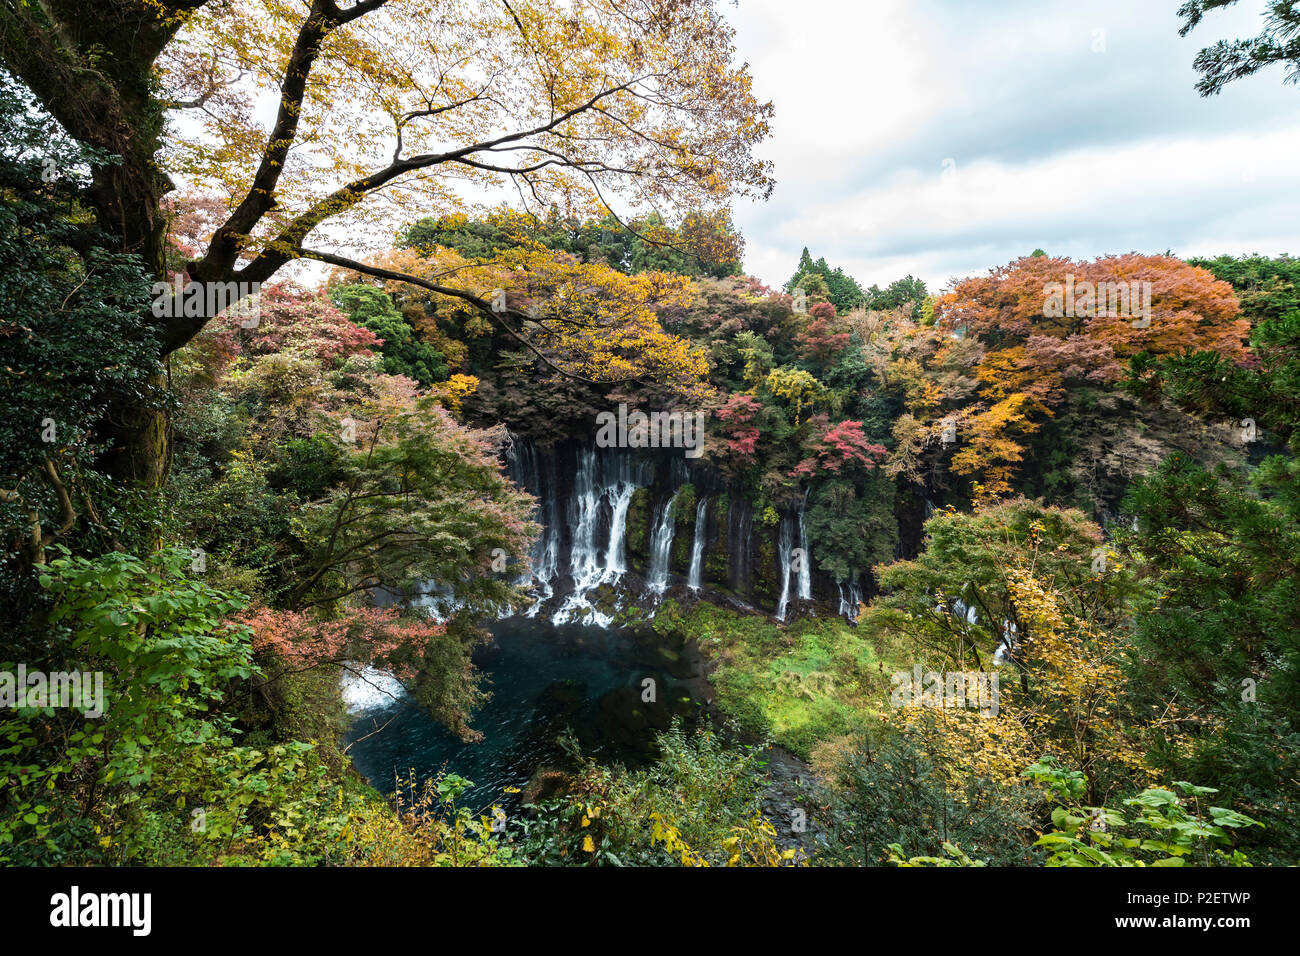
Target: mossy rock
(638, 529)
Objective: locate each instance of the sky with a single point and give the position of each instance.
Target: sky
(943, 138)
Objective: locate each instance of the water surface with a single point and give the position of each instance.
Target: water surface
(544, 680)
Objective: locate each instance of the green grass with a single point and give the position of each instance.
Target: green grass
(805, 684)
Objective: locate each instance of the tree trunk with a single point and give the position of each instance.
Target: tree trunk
(139, 441)
(93, 74)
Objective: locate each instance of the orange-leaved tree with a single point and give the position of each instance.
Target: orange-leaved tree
(1048, 324)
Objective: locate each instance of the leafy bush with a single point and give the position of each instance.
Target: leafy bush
(891, 805)
(698, 805)
(1161, 830)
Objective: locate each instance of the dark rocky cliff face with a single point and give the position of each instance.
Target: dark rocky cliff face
(650, 523)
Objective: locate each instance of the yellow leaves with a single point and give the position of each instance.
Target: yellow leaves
(671, 838)
(988, 442)
(1079, 684)
(923, 395)
(798, 387)
(1064, 691)
(753, 843)
(587, 319)
(1004, 372)
(732, 846)
(910, 440)
(598, 99)
(970, 744)
(453, 391)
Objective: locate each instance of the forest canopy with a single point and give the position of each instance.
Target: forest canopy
(309, 313)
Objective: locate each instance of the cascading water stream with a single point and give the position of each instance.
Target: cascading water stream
(604, 485)
(804, 571)
(616, 556)
(1007, 646)
(785, 544)
(524, 468)
(850, 596)
(581, 554)
(966, 612)
(661, 543)
(584, 517)
(546, 565)
(696, 573)
(799, 566)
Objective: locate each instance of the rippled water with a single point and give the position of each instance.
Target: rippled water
(544, 679)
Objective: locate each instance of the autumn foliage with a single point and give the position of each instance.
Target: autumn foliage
(291, 320)
(366, 635)
(840, 448)
(1008, 349)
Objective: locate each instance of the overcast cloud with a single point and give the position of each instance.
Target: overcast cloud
(945, 137)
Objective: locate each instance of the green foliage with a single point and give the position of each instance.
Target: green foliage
(817, 279)
(698, 805)
(953, 856)
(405, 353)
(417, 499)
(802, 685)
(892, 805)
(1229, 60)
(159, 778)
(1221, 638)
(306, 467)
(853, 530)
(1266, 391)
(701, 245)
(1267, 288)
(1162, 829)
(966, 558)
(73, 342)
(166, 652)
(907, 291)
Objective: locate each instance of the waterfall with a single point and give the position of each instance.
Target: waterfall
(805, 559)
(697, 548)
(583, 499)
(603, 486)
(366, 688)
(524, 469)
(740, 529)
(661, 544)
(792, 524)
(963, 610)
(1007, 646)
(850, 596)
(616, 558)
(546, 561)
(785, 545)
(584, 519)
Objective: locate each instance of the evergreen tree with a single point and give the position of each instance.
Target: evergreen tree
(405, 353)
